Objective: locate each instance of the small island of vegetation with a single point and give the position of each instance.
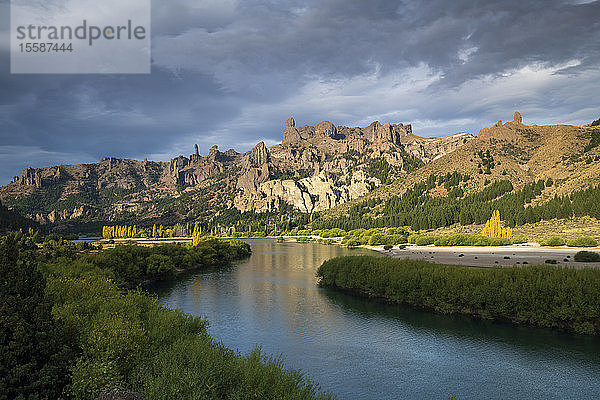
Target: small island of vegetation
(544, 296)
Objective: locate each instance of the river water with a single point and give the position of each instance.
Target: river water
(361, 349)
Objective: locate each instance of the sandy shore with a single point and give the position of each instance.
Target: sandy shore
(488, 256)
(470, 256)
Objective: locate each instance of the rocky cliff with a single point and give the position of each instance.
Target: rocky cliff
(313, 169)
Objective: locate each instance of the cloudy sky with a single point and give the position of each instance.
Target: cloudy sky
(229, 72)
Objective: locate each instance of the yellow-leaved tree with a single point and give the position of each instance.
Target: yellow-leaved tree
(493, 227)
(196, 235)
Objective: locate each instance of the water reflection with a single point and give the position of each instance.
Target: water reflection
(361, 349)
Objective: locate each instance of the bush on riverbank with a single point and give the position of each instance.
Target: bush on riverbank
(583, 241)
(587, 256)
(460, 239)
(376, 237)
(85, 335)
(131, 341)
(554, 241)
(470, 239)
(547, 296)
(131, 264)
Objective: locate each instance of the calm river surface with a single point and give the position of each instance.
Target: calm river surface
(359, 349)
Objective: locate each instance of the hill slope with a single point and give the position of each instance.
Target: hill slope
(568, 155)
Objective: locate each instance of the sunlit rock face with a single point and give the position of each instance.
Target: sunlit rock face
(314, 168)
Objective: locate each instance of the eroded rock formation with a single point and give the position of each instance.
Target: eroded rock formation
(313, 169)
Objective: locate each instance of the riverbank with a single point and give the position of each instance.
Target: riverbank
(106, 337)
(468, 256)
(364, 350)
(505, 256)
(475, 256)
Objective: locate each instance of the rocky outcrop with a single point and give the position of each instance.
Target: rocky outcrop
(38, 177)
(255, 170)
(290, 133)
(30, 176)
(326, 129)
(508, 132)
(313, 194)
(55, 215)
(313, 169)
(518, 119)
(258, 156)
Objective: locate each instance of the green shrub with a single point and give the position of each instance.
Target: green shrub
(412, 239)
(376, 240)
(519, 239)
(388, 247)
(554, 241)
(470, 239)
(583, 241)
(352, 243)
(33, 359)
(587, 256)
(424, 240)
(160, 266)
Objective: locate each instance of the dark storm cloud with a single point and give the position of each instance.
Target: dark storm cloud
(230, 72)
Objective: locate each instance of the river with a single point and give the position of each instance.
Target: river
(360, 349)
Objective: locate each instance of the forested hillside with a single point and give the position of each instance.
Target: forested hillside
(12, 221)
(419, 209)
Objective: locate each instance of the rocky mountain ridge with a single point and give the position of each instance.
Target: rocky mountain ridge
(313, 169)
(568, 155)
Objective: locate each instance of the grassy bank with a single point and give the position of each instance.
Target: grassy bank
(545, 296)
(73, 332)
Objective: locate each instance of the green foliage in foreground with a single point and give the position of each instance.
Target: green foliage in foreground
(85, 335)
(132, 341)
(33, 361)
(546, 296)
